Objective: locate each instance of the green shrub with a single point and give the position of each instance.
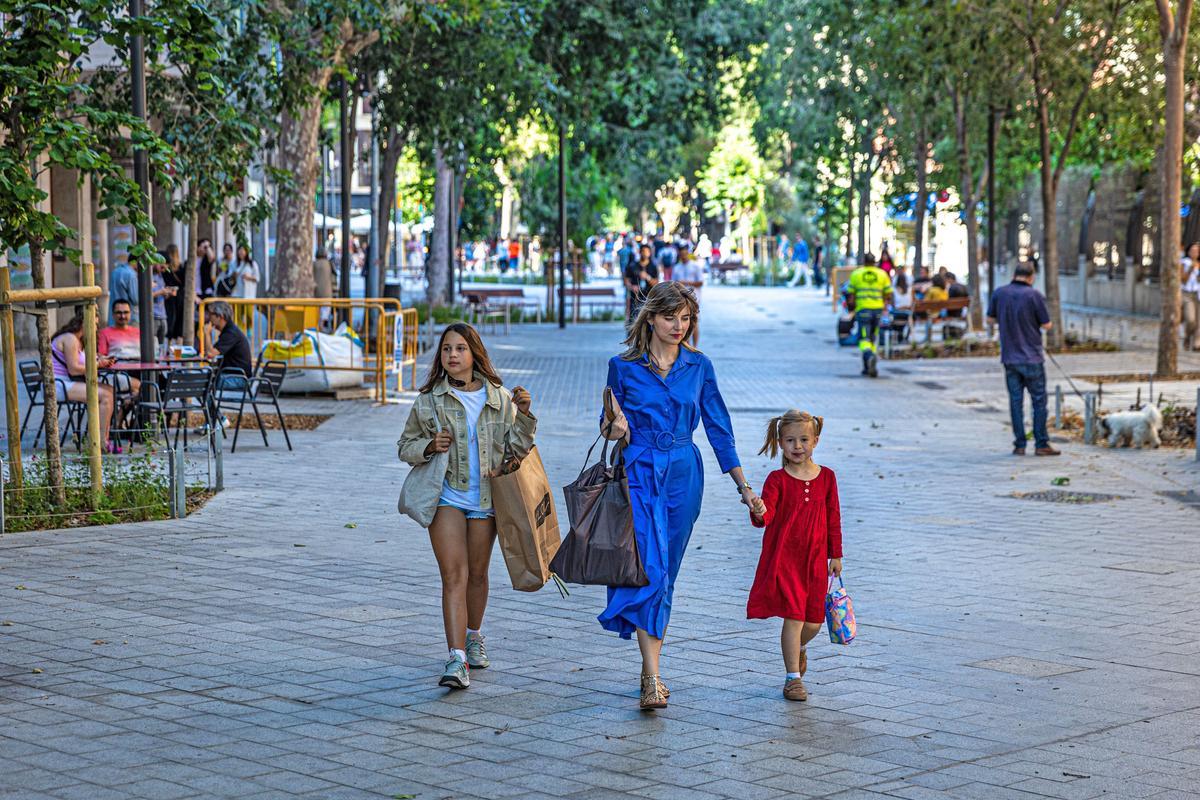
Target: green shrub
(134, 491)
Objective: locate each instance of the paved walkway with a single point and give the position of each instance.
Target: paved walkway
(285, 641)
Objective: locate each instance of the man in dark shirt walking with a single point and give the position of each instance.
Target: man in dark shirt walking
(640, 277)
(1020, 310)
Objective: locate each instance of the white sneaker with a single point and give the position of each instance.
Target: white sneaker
(477, 657)
(456, 675)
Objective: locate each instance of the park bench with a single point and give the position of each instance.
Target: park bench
(592, 296)
(495, 304)
(932, 310)
(722, 269)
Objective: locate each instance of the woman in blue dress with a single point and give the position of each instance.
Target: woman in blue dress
(663, 388)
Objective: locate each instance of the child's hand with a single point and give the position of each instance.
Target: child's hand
(757, 507)
(835, 567)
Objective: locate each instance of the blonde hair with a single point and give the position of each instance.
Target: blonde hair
(790, 417)
(664, 298)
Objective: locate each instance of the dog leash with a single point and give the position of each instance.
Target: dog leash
(1074, 388)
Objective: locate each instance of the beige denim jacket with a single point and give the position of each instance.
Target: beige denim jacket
(500, 424)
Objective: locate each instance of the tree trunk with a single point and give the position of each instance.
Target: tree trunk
(54, 468)
(1170, 235)
(967, 190)
(299, 155)
(922, 155)
(850, 208)
(1049, 226)
(864, 208)
(437, 265)
(189, 281)
(387, 197)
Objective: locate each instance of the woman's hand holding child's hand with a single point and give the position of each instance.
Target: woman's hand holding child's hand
(757, 507)
(835, 567)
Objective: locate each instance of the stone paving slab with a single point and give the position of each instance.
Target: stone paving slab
(262, 648)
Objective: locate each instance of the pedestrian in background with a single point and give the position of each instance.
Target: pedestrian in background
(222, 272)
(205, 262)
(640, 278)
(323, 285)
(802, 544)
(1189, 296)
(799, 260)
(246, 272)
(886, 262)
(163, 295)
(123, 287)
(172, 275)
(691, 274)
(1020, 311)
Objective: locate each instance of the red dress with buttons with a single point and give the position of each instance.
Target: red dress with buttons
(803, 524)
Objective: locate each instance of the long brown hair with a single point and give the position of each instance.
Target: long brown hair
(790, 417)
(479, 355)
(664, 298)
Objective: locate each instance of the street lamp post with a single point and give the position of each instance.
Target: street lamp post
(344, 118)
(562, 224)
(373, 259)
(324, 194)
(991, 200)
(141, 174)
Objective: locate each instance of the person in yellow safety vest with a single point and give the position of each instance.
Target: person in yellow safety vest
(869, 293)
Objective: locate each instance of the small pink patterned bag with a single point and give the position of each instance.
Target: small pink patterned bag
(839, 614)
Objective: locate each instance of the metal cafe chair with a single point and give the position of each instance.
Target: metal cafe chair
(262, 388)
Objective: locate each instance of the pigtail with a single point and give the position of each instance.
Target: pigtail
(790, 417)
(771, 444)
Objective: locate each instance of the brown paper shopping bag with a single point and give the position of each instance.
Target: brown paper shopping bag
(526, 521)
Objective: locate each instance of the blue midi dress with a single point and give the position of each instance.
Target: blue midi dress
(666, 476)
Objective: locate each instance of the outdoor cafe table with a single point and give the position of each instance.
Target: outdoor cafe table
(145, 368)
(165, 365)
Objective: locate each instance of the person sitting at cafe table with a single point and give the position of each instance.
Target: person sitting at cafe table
(70, 374)
(231, 345)
(122, 340)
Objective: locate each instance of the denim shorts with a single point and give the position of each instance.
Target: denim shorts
(470, 514)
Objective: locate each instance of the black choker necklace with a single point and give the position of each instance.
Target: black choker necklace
(457, 384)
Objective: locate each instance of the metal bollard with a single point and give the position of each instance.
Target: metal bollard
(1196, 433)
(1089, 418)
(1058, 406)
(171, 478)
(180, 484)
(219, 456)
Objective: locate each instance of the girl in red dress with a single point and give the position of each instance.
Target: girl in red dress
(802, 545)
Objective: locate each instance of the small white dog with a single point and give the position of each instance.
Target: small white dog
(1130, 428)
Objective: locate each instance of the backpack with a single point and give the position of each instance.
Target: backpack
(225, 284)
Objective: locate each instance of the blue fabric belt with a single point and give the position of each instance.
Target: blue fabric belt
(664, 440)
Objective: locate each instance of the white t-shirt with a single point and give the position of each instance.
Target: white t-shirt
(1192, 284)
(902, 300)
(243, 287)
(691, 271)
(473, 403)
